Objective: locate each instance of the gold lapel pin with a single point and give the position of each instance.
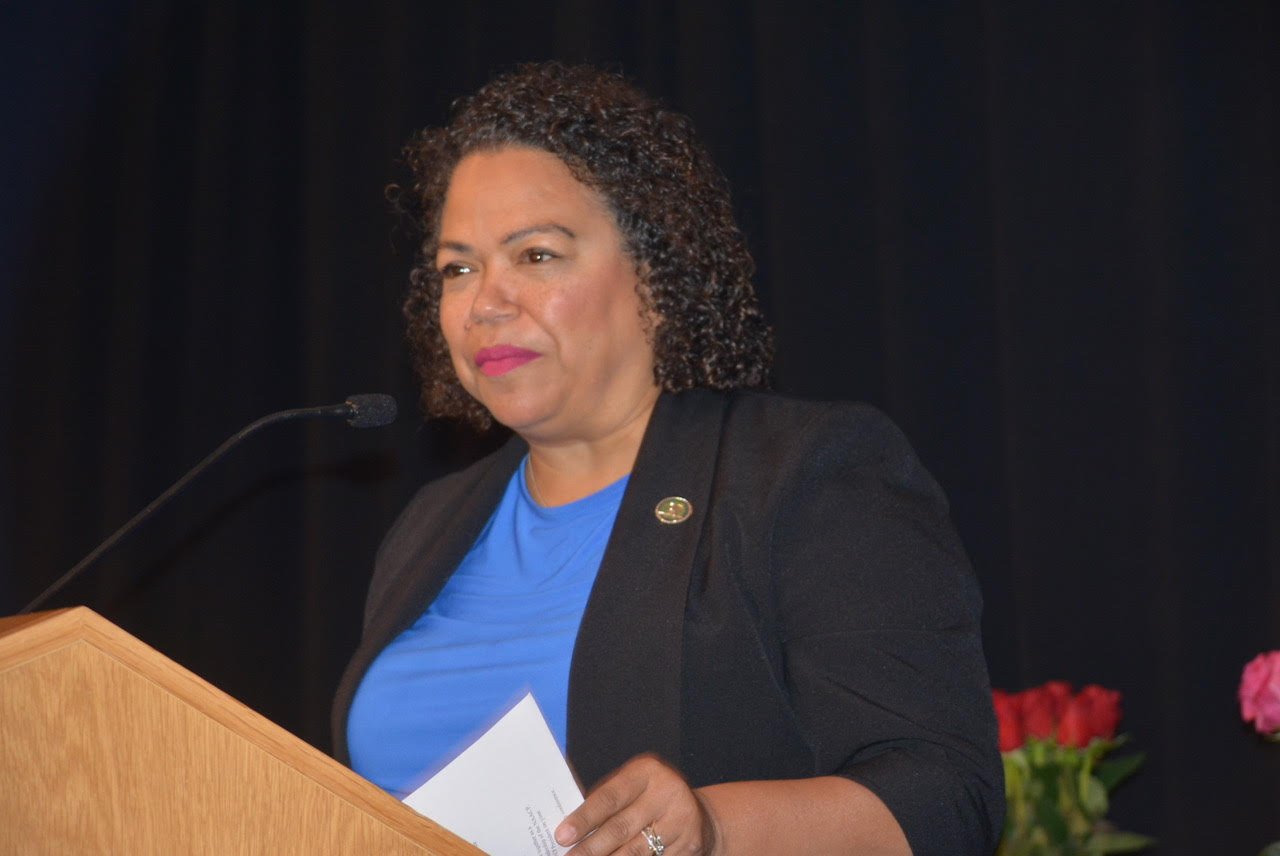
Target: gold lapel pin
(673, 509)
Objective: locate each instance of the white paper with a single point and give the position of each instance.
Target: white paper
(508, 791)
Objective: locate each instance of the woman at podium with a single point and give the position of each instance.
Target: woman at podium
(747, 618)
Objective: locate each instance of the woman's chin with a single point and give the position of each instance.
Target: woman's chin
(522, 418)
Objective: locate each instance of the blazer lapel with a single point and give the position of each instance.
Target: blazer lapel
(624, 684)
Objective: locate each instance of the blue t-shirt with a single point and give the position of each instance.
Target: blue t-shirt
(504, 624)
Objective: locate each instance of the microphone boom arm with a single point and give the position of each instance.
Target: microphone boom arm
(349, 409)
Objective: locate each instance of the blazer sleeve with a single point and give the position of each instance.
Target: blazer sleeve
(879, 614)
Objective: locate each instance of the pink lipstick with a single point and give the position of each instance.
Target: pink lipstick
(501, 359)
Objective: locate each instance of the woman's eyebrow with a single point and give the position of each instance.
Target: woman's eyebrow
(518, 234)
(536, 229)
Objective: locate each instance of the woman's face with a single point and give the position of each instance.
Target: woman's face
(539, 302)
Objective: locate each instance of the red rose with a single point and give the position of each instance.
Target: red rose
(1059, 693)
(1102, 710)
(1074, 728)
(1260, 693)
(1053, 712)
(1094, 712)
(1039, 707)
(1010, 719)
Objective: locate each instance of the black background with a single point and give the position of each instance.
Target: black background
(1043, 237)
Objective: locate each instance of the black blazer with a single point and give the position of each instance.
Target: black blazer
(815, 614)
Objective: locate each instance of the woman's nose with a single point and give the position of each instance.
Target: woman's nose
(494, 297)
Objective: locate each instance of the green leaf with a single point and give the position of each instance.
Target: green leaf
(1119, 842)
(1113, 771)
(1093, 796)
(1272, 849)
(1098, 747)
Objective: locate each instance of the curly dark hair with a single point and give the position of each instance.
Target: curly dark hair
(670, 202)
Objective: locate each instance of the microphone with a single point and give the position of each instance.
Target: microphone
(369, 410)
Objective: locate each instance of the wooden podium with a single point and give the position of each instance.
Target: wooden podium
(107, 746)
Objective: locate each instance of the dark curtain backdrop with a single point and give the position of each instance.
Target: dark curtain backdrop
(1043, 237)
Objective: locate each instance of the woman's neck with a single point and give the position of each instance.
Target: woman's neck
(561, 472)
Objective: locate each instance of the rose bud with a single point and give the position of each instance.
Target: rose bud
(1074, 729)
(1101, 709)
(1260, 692)
(1039, 716)
(1009, 718)
(1059, 693)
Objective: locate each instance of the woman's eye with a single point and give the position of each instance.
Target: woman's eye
(538, 256)
(454, 269)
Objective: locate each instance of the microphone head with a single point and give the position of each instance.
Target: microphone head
(371, 410)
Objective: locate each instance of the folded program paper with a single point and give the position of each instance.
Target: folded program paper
(508, 791)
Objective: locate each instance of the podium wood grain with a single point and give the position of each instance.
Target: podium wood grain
(107, 746)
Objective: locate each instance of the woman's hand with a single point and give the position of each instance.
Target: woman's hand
(642, 793)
